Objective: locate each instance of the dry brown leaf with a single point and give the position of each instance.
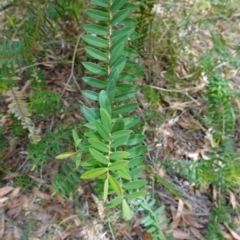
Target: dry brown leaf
(3, 199)
(8, 236)
(59, 209)
(41, 230)
(11, 175)
(233, 199)
(178, 234)
(42, 216)
(233, 233)
(36, 207)
(36, 179)
(5, 190)
(17, 232)
(40, 194)
(196, 233)
(14, 193)
(14, 212)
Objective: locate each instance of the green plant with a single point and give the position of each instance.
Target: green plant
(111, 151)
(155, 220)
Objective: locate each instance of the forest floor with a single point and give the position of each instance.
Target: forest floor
(172, 108)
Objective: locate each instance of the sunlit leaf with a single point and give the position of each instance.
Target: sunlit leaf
(104, 102)
(94, 173)
(98, 156)
(98, 145)
(126, 210)
(118, 165)
(135, 194)
(115, 185)
(114, 202)
(135, 184)
(78, 159)
(105, 119)
(136, 151)
(65, 155)
(117, 155)
(102, 131)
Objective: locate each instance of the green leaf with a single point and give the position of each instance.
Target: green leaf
(125, 76)
(78, 159)
(115, 185)
(65, 155)
(116, 53)
(129, 22)
(121, 32)
(147, 220)
(90, 163)
(136, 151)
(131, 122)
(122, 39)
(126, 210)
(120, 64)
(122, 87)
(135, 184)
(119, 17)
(121, 133)
(130, 6)
(118, 165)
(98, 145)
(118, 125)
(126, 108)
(124, 174)
(135, 194)
(76, 138)
(105, 190)
(135, 161)
(94, 173)
(101, 3)
(104, 102)
(102, 131)
(94, 135)
(105, 119)
(94, 68)
(117, 4)
(114, 202)
(89, 114)
(111, 89)
(90, 94)
(130, 52)
(98, 156)
(136, 171)
(93, 82)
(96, 29)
(95, 53)
(117, 155)
(135, 139)
(97, 14)
(95, 41)
(119, 141)
(125, 96)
